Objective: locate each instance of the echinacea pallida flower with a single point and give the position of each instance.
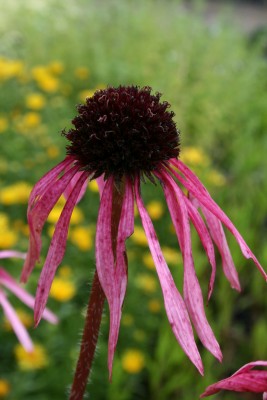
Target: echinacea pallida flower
(123, 136)
(7, 282)
(246, 379)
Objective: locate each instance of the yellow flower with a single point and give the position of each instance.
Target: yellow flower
(17, 193)
(86, 93)
(62, 289)
(55, 67)
(26, 319)
(4, 388)
(76, 217)
(35, 359)
(81, 72)
(8, 237)
(93, 186)
(45, 80)
(133, 361)
(148, 261)
(139, 236)
(35, 101)
(194, 156)
(155, 209)
(154, 306)
(52, 151)
(10, 69)
(171, 256)
(31, 120)
(216, 178)
(3, 124)
(147, 282)
(81, 236)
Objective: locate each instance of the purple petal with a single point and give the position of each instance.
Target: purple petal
(71, 185)
(174, 305)
(37, 216)
(16, 324)
(197, 189)
(7, 281)
(101, 183)
(12, 254)
(192, 291)
(56, 250)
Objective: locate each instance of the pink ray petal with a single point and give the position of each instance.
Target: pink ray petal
(197, 189)
(205, 240)
(16, 324)
(37, 217)
(244, 380)
(56, 250)
(71, 185)
(12, 254)
(7, 281)
(174, 305)
(101, 183)
(192, 291)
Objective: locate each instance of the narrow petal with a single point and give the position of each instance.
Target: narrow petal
(244, 380)
(56, 250)
(192, 291)
(174, 305)
(101, 183)
(37, 216)
(193, 185)
(12, 254)
(10, 283)
(16, 324)
(71, 185)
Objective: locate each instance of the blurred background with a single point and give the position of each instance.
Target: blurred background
(209, 61)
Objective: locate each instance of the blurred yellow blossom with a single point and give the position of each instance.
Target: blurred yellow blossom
(147, 282)
(171, 256)
(55, 67)
(45, 79)
(10, 69)
(17, 193)
(81, 72)
(3, 124)
(93, 186)
(25, 317)
(127, 319)
(81, 236)
(139, 236)
(62, 289)
(4, 388)
(35, 359)
(148, 261)
(8, 236)
(86, 93)
(154, 306)
(65, 271)
(216, 178)
(155, 209)
(28, 121)
(52, 151)
(76, 217)
(194, 156)
(133, 361)
(35, 101)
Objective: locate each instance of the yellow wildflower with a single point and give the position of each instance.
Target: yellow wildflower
(8, 237)
(62, 289)
(31, 120)
(86, 93)
(17, 193)
(133, 361)
(171, 256)
(52, 151)
(154, 305)
(3, 124)
(139, 236)
(65, 271)
(35, 359)
(81, 73)
(35, 101)
(45, 80)
(147, 282)
(194, 156)
(26, 319)
(10, 69)
(81, 236)
(93, 186)
(76, 217)
(155, 209)
(216, 178)
(55, 67)
(4, 388)
(148, 261)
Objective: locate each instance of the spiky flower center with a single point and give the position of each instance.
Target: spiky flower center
(123, 131)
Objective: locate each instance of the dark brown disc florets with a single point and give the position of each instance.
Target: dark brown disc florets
(123, 131)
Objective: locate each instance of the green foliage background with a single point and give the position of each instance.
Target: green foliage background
(215, 77)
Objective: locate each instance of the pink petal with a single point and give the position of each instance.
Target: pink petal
(244, 380)
(197, 189)
(37, 216)
(56, 250)
(11, 254)
(71, 185)
(174, 305)
(16, 324)
(7, 281)
(192, 291)
(101, 184)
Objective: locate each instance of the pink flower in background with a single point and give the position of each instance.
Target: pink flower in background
(7, 282)
(123, 136)
(246, 379)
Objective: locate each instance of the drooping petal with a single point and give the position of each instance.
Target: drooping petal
(71, 185)
(219, 238)
(12, 254)
(37, 215)
(101, 183)
(205, 239)
(16, 324)
(174, 305)
(192, 291)
(56, 250)
(244, 380)
(193, 185)
(10, 283)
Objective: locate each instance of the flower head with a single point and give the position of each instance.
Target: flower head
(120, 136)
(7, 282)
(246, 379)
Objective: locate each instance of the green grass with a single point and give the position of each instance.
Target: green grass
(215, 79)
